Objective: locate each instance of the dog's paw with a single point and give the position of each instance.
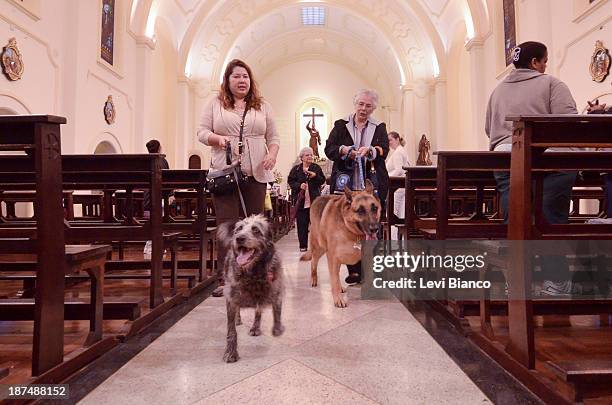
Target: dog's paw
(278, 330)
(230, 356)
(255, 332)
(313, 282)
(339, 302)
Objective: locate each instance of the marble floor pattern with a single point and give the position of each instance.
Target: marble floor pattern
(372, 352)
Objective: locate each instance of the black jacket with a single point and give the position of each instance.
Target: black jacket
(297, 177)
(340, 135)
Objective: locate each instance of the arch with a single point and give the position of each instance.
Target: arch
(105, 137)
(195, 162)
(104, 147)
(12, 103)
(193, 153)
(308, 103)
(479, 12)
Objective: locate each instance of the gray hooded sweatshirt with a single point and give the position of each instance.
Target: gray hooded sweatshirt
(524, 92)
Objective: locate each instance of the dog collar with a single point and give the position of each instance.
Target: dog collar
(357, 244)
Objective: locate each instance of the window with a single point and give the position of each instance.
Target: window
(313, 16)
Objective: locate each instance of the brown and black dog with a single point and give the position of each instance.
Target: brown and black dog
(338, 224)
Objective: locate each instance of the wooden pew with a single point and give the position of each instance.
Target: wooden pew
(39, 137)
(108, 173)
(532, 135)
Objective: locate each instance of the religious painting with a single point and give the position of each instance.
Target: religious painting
(313, 130)
(509, 30)
(107, 38)
(109, 110)
(600, 63)
(12, 63)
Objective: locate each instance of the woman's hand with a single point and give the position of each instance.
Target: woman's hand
(222, 141)
(363, 151)
(269, 161)
(303, 186)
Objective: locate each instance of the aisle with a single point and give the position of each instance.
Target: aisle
(371, 352)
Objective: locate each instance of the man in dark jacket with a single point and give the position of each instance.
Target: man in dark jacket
(360, 136)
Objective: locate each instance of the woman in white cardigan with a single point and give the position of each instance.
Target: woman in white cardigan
(398, 158)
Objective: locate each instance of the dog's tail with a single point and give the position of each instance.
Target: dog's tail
(306, 256)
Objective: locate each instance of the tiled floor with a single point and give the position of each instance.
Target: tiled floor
(370, 352)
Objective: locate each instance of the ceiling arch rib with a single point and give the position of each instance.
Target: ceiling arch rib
(374, 68)
(390, 21)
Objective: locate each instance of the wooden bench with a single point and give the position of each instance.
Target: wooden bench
(107, 173)
(39, 136)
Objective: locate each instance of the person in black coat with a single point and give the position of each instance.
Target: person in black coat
(360, 135)
(309, 177)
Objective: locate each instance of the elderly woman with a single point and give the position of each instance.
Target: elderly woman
(307, 177)
(240, 104)
(360, 136)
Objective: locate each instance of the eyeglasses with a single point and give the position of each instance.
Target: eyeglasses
(364, 105)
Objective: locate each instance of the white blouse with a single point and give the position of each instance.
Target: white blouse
(396, 160)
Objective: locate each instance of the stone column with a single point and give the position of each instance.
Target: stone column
(144, 93)
(477, 139)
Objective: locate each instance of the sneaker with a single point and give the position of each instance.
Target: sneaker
(303, 249)
(559, 289)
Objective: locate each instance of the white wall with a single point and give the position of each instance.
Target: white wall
(288, 87)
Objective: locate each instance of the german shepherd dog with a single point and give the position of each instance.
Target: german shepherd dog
(338, 223)
(253, 277)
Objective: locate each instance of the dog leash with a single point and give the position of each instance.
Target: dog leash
(240, 150)
(361, 185)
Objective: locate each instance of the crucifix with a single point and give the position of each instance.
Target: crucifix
(315, 139)
(312, 117)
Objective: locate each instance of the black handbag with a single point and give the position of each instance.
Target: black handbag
(225, 181)
(344, 178)
(229, 179)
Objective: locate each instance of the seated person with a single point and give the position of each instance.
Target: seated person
(527, 90)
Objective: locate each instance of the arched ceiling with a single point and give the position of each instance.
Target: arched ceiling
(396, 41)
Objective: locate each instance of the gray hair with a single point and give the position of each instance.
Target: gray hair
(370, 93)
(305, 150)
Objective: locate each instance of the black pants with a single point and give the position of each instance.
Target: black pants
(303, 221)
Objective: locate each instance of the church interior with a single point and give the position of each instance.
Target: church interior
(87, 84)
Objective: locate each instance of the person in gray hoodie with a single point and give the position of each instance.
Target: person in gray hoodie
(528, 90)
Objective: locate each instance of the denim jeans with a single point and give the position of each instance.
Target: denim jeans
(556, 200)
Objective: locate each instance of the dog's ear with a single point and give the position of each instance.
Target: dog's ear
(369, 187)
(348, 194)
(225, 232)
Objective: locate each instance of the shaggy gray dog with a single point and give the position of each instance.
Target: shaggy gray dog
(253, 277)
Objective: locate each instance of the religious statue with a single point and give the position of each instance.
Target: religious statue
(424, 146)
(315, 140)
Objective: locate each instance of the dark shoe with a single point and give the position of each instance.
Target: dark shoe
(353, 278)
(218, 292)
